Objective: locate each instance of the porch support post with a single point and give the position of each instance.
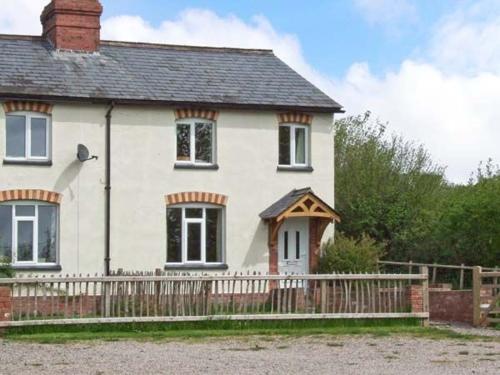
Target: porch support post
(273, 245)
(317, 227)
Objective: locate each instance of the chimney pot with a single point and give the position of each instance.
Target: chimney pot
(73, 24)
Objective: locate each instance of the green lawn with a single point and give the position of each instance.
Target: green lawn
(202, 330)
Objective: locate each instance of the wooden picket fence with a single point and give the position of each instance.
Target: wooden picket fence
(183, 297)
(460, 276)
(486, 297)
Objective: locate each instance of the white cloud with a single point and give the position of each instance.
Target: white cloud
(455, 116)
(448, 100)
(21, 16)
(386, 11)
(467, 40)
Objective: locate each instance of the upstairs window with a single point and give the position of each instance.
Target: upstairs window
(194, 234)
(293, 145)
(195, 142)
(28, 233)
(27, 136)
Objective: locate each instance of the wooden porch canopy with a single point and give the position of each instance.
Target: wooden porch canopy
(299, 203)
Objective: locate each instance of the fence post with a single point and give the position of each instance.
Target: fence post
(434, 274)
(476, 295)
(424, 270)
(462, 277)
(323, 295)
(410, 269)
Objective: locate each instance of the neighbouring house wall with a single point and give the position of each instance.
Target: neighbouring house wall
(143, 156)
(81, 184)
(451, 305)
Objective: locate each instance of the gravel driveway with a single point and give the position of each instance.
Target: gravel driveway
(256, 355)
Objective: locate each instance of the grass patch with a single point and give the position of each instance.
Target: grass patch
(213, 329)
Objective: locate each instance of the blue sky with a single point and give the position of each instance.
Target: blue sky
(429, 68)
(333, 34)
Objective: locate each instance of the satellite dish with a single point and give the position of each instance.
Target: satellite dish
(83, 153)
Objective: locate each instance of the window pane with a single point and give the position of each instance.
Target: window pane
(183, 142)
(194, 213)
(194, 242)
(203, 135)
(25, 210)
(174, 235)
(5, 232)
(214, 235)
(284, 146)
(47, 234)
(25, 241)
(16, 136)
(38, 137)
(300, 145)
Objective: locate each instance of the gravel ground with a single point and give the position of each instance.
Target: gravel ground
(256, 355)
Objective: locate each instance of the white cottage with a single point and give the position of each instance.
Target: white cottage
(143, 156)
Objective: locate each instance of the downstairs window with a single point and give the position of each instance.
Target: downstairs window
(28, 233)
(195, 234)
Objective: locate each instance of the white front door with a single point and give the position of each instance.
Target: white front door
(293, 246)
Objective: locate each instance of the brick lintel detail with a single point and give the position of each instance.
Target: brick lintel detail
(30, 194)
(295, 117)
(24, 106)
(196, 197)
(207, 114)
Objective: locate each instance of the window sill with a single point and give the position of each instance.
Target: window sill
(194, 267)
(196, 166)
(34, 267)
(294, 169)
(41, 163)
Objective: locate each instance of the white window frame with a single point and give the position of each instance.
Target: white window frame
(192, 141)
(292, 128)
(34, 219)
(203, 222)
(28, 116)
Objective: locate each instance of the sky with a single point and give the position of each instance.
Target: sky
(429, 68)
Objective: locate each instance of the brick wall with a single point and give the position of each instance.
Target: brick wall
(5, 304)
(414, 294)
(451, 305)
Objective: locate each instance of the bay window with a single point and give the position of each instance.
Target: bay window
(27, 137)
(195, 234)
(293, 145)
(28, 233)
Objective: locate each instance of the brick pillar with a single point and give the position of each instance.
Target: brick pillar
(415, 297)
(5, 304)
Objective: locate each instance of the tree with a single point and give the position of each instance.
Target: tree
(385, 186)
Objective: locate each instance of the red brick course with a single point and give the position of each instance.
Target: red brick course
(415, 298)
(5, 304)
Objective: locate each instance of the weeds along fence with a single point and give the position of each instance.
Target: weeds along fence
(141, 298)
(459, 276)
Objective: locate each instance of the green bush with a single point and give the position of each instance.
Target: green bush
(346, 254)
(6, 270)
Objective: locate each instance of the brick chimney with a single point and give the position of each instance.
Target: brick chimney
(73, 24)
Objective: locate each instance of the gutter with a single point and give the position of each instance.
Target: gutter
(107, 189)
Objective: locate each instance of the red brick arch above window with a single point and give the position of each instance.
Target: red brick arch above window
(295, 117)
(30, 194)
(20, 106)
(196, 197)
(207, 114)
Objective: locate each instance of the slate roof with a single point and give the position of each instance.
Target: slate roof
(138, 72)
(288, 200)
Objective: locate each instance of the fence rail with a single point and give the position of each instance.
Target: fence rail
(64, 300)
(463, 278)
